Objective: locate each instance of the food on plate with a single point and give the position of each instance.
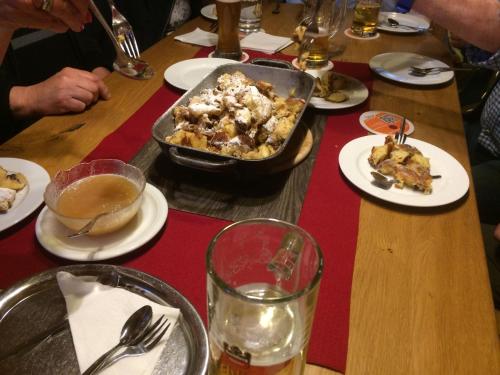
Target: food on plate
(404, 162)
(10, 183)
(239, 117)
(7, 197)
(329, 85)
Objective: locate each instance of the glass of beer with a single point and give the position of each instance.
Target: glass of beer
(364, 23)
(250, 16)
(320, 27)
(228, 16)
(263, 278)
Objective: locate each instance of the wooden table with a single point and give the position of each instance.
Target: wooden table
(421, 301)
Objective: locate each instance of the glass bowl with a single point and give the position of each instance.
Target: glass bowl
(118, 216)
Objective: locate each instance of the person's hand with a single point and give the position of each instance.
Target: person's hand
(70, 90)
(496, 233)
(63, 14)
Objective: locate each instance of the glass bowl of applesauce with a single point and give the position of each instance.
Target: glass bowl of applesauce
(79, 194)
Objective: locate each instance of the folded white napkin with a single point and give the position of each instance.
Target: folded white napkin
(97, 313)
(199, 37)
(266, 43)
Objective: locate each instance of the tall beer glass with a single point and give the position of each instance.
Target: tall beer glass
(263, 278)
(228, 15)
(365, 19)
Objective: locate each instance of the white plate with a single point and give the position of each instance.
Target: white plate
(188, 73)
(28, 199)
(355, 89)
(403, 19)
(453, 184)
(149, 220)
(209, 12)
(396, 67)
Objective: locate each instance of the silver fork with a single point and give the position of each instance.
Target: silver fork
(401, 136)
(152, 337)
(415, 70)
(123, 32)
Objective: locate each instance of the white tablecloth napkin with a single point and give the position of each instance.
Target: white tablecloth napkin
(199, 37)
(97, 313)
(266, 43)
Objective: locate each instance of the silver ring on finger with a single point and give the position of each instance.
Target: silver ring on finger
(47, 5)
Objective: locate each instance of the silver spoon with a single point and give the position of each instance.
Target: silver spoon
(393, 23)
(132, 330)
(87, 227)
(133, 68)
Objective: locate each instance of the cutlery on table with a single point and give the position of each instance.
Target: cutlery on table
(385, 183)
(134, 329)
(123, 32)
(87, 227)
(124, 64)
(144, 345)
(421, 72)
(395, 24)
(401, 136)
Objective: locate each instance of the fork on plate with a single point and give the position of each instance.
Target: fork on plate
(123, 32)
(417, 71)
(400, 137)
(147, 343)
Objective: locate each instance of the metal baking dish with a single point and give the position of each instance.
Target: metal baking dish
(284, 81)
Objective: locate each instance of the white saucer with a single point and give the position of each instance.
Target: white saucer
(416, 22)
(187, 74)
(149, 220)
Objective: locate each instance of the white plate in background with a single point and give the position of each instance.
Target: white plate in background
(420, 23)
(209, 12)
(395, 66)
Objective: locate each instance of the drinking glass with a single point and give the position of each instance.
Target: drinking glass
(263, 278)
(250, 16)
(365, 18)
(314, 47)
(228, 16)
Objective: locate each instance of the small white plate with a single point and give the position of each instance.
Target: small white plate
(412, 20)
(149, 220)
(188, 73)
(28, 199)
(453, 184)
(209, 12)
(383, 122)
(355, 89)
(396, 67)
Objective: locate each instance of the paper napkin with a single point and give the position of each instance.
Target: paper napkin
(199, 37)
(264, 42)
(97, 313)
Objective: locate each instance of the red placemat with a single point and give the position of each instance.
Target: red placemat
(177, 255)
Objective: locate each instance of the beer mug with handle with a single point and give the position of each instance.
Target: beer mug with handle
(263, 278)
(328, 18)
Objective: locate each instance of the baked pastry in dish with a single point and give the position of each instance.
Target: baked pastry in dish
(239, 117)
(404, 162)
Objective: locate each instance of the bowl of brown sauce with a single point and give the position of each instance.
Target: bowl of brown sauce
(79, 194)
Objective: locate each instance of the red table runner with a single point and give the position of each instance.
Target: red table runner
(177, 254)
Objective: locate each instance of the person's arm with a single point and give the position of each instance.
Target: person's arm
(476, 21)
(70, 90)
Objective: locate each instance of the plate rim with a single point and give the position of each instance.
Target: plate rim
(332, 105)
(360, 180)
(83, 256)
(35, 192)
(205, 12)
(375, 66)
(164, 291)
(180, 64)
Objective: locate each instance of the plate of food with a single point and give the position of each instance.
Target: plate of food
(413, 165)
(402, 23)
(209, 11)
(22, 184)
(396, 66)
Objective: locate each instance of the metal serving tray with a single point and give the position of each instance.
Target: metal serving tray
(284, 81)
(33, 307)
